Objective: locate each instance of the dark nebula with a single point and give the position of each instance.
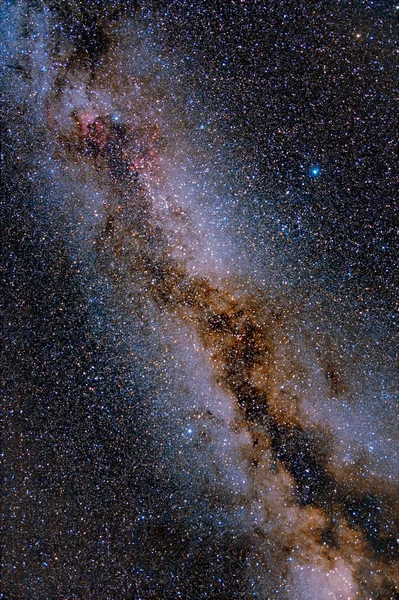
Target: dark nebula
(200, 290)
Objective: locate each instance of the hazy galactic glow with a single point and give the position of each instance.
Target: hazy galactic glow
(200, 383)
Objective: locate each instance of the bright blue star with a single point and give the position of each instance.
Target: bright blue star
(314, 171)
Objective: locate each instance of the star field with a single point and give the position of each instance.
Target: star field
(200, 293)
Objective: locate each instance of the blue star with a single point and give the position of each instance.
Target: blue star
(314, 171)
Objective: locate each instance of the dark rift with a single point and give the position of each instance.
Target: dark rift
(241, 331)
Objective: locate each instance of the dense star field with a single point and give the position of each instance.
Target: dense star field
(200, 293)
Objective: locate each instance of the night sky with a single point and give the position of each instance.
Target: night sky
(199, 300)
